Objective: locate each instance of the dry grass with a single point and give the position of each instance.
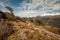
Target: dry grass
(20, 30)
(24, 31)
(5, 29)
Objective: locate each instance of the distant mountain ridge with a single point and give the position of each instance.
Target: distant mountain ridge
(55, 20)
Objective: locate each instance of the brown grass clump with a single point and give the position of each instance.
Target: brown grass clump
(5, 30)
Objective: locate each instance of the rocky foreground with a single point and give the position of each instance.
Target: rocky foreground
(30, 31)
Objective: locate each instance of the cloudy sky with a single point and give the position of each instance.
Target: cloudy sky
(30, 8)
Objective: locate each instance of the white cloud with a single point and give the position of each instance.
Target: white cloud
(28, 13)
(2, 2)
(51, 14)
(43, 5)
(40, 7)
(56, 7)
(37, 7)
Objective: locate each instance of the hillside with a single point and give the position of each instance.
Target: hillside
(24, 31)
(52, 16)
(15, 28)
(54, 20)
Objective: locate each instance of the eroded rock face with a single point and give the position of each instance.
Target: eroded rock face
(5, 30)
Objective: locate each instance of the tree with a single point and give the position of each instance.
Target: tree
(10, 9)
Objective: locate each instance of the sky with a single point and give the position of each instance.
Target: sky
(32, 8)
